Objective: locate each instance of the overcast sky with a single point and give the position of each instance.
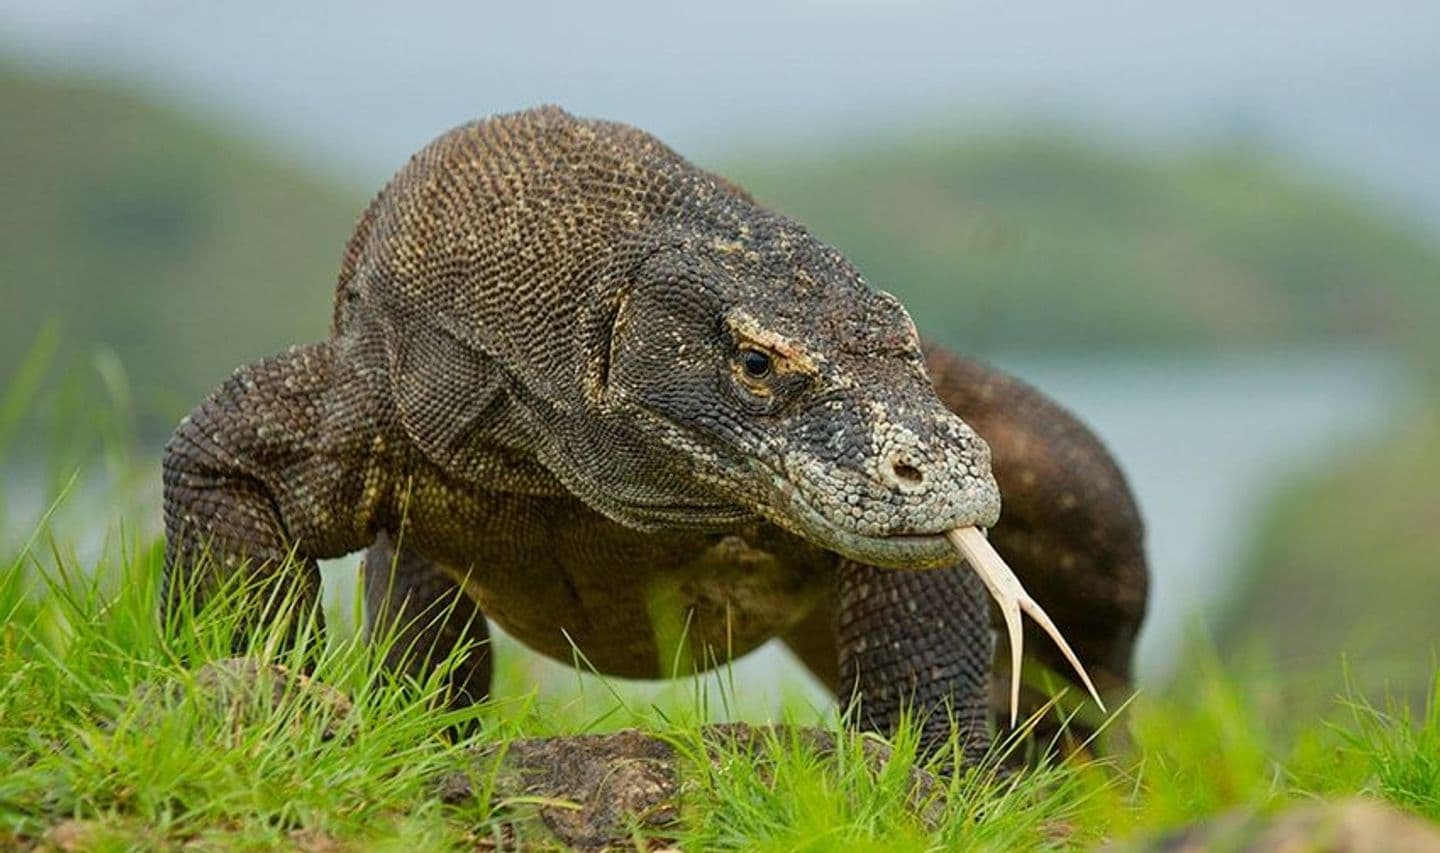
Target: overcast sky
(1350, 90)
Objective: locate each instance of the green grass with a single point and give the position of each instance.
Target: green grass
(78, 641)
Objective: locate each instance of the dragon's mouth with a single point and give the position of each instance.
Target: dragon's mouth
(902, 551)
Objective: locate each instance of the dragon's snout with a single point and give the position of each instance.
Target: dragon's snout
(931, 475)
(886, 488)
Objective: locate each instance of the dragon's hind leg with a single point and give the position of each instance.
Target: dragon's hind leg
(423, 615)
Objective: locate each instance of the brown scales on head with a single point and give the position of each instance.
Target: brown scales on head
(604, 393)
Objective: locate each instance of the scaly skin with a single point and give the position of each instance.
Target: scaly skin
(599, 396)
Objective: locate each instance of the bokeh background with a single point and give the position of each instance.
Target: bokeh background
(1211, 229)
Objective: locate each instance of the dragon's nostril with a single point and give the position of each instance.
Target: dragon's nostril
(907, 473)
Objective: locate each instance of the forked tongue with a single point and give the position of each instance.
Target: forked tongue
(1012, 598)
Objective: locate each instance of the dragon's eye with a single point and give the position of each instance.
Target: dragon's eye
(756, 363)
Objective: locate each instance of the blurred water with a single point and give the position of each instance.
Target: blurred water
(1202, 441)
(1205, 442)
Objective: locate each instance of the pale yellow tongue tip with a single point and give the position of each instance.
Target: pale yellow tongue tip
(1012, 598)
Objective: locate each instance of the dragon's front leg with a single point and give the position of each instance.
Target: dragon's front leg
(275, 470)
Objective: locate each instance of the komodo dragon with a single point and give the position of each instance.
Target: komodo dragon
(623, 408)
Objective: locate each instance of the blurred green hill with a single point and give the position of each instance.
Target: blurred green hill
(180, 247)
(186, 250)
(1041, 243)
(1348, 557)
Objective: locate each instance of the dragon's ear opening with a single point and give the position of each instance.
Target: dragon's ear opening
(617, 320)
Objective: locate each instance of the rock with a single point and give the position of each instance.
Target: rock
(1355, 825)
(591, 789)
(69, 835)
(315, 841)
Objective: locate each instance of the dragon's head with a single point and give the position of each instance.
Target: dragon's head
(759, 361)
